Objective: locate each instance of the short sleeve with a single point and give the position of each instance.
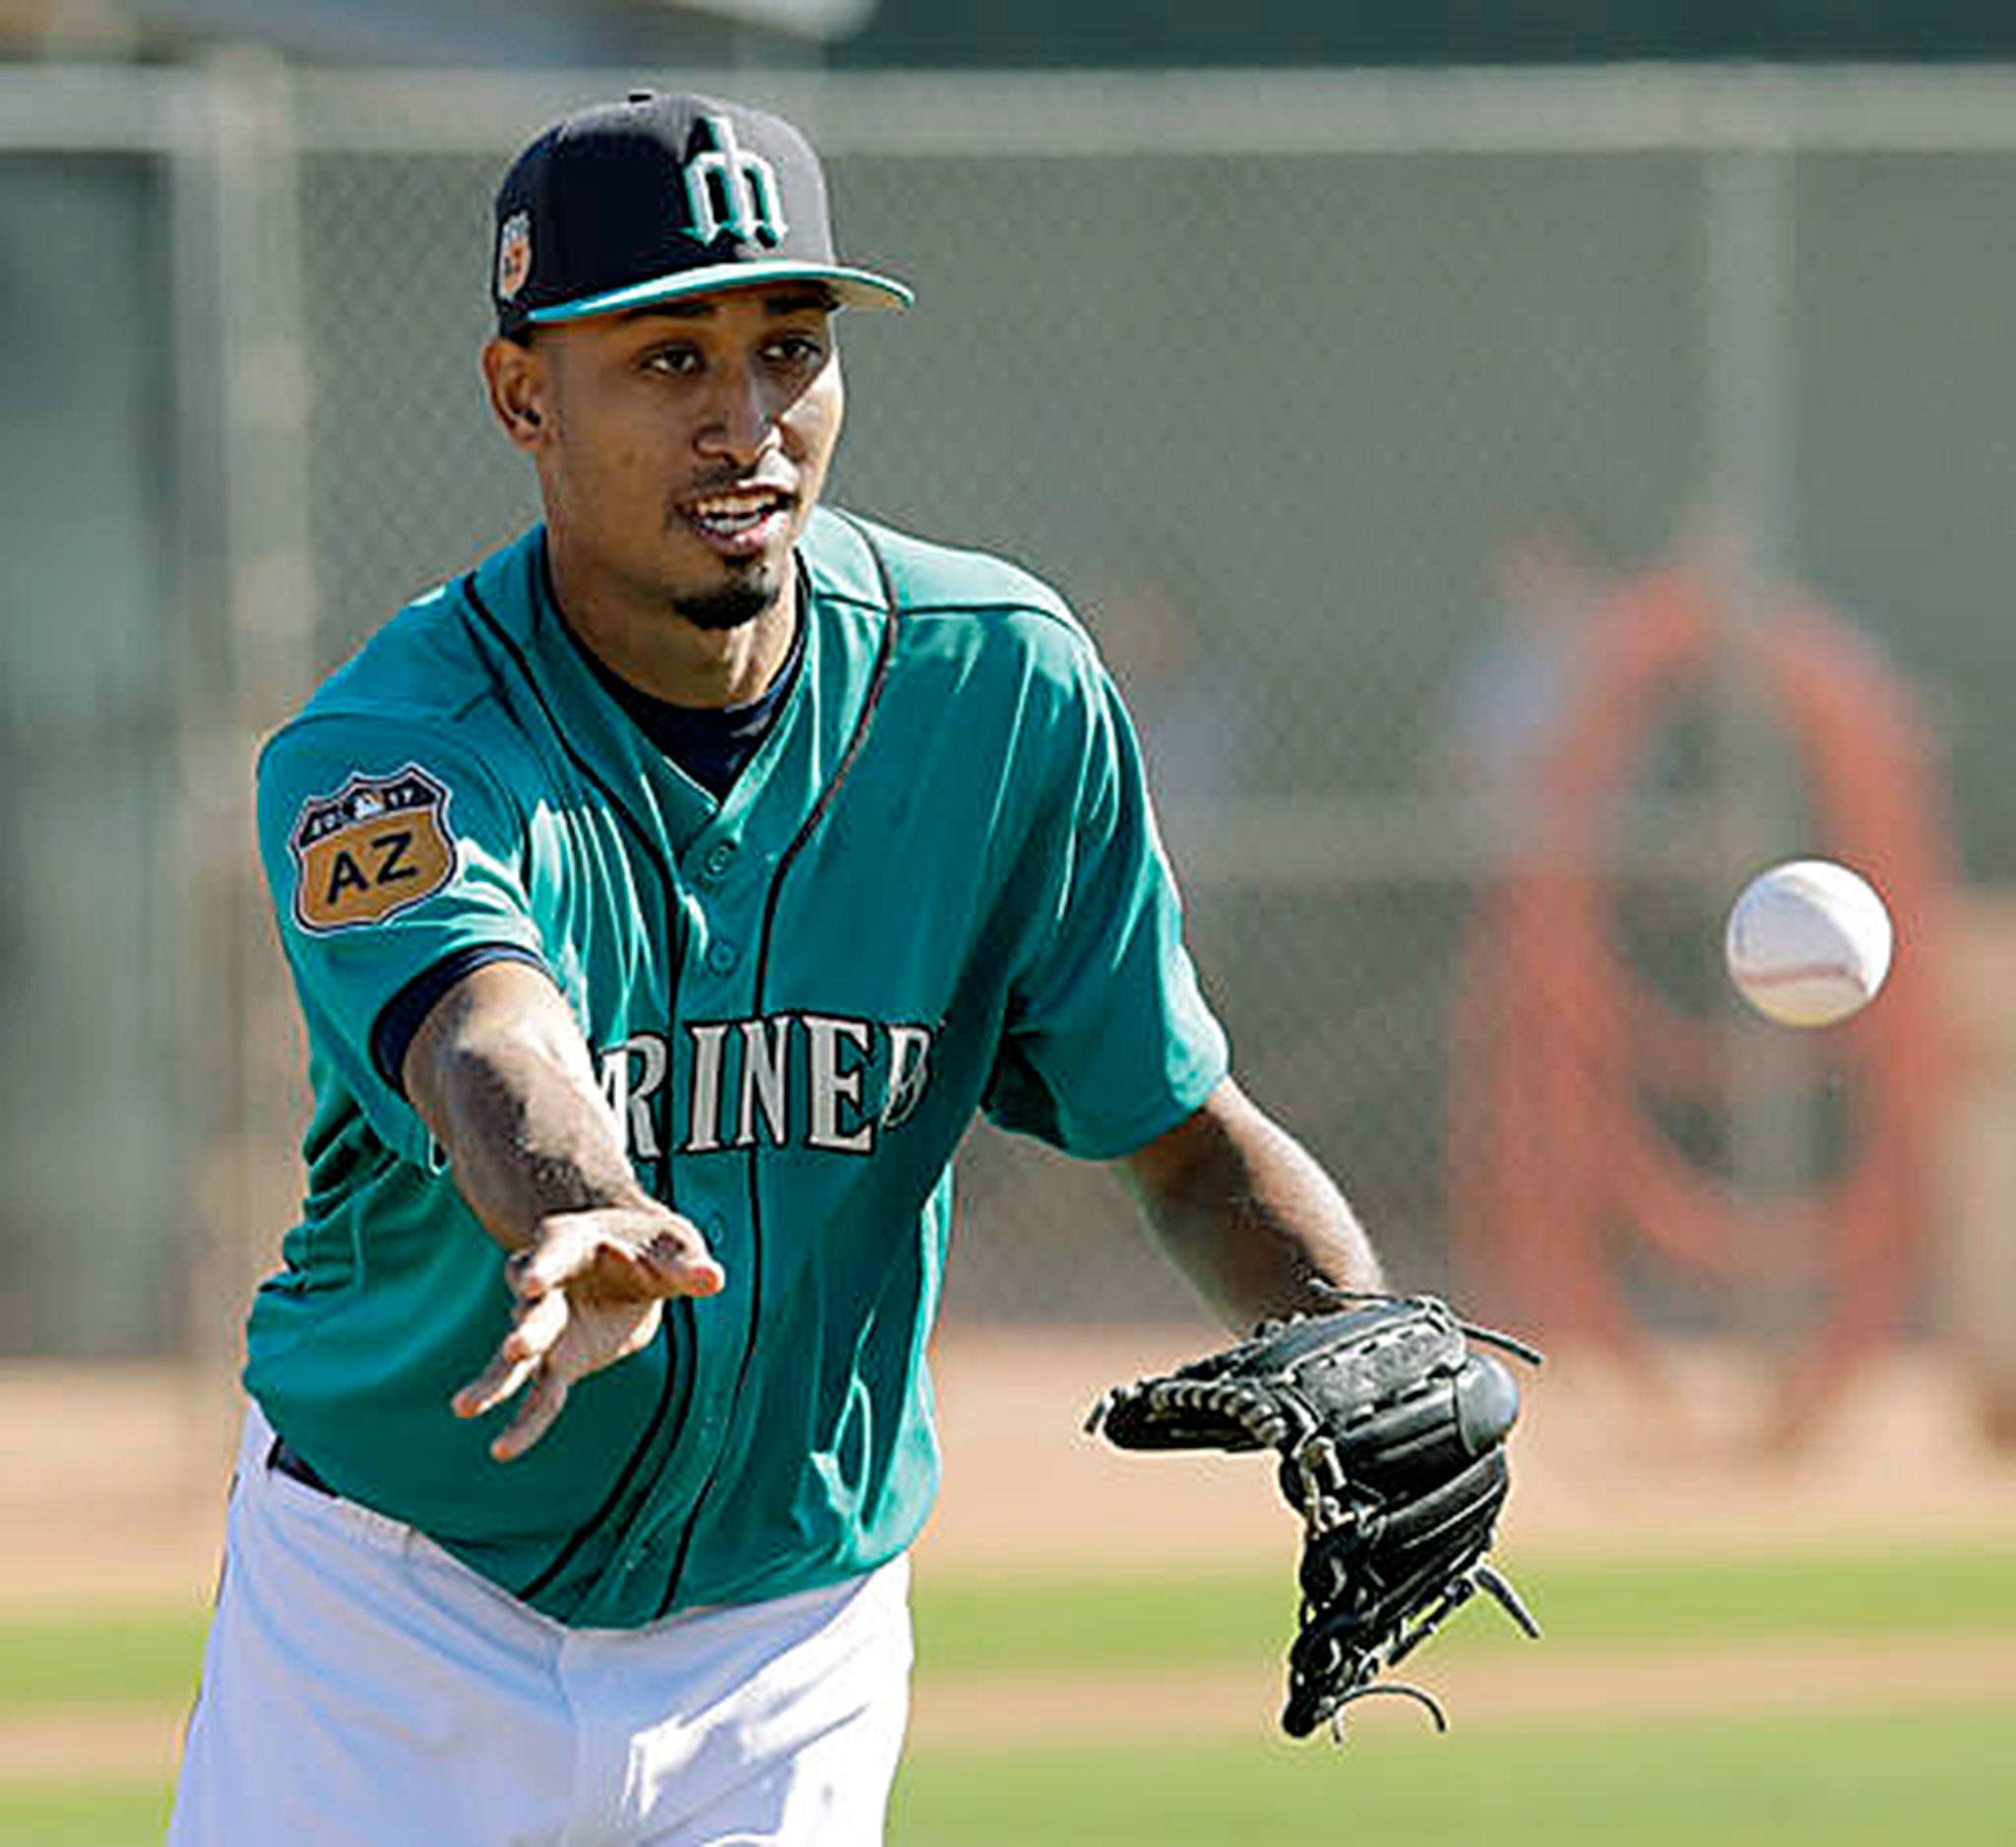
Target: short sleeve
(386, 854)
(1108, 1041)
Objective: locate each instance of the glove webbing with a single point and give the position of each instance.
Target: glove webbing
(1264, 1420)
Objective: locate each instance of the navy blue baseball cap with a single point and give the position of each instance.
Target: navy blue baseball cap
(656, 198)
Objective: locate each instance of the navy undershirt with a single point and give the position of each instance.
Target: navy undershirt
(710, 743)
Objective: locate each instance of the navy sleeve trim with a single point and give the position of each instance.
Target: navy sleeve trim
(401, 1017)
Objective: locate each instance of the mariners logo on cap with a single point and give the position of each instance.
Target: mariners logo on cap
(514, 254)
(729, 189)
(376, 845)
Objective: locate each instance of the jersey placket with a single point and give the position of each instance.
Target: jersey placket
(724, 857)
(733, 873)
(669, 827)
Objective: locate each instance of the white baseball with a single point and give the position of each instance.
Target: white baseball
(1808, 942)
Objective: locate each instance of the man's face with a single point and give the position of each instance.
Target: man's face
(680, 448)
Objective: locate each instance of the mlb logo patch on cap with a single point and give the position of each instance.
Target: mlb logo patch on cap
(513, 255)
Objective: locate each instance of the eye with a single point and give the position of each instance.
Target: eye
(799, 352)
(675, 362)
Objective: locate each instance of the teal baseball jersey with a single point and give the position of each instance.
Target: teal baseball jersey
(935, 889)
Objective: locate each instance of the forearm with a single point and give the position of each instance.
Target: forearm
(506, 1086)
(1248, 1215)
(502, 1075)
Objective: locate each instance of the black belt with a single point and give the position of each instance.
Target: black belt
(283, 1461)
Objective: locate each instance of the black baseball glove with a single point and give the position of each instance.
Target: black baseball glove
(1391, 1431)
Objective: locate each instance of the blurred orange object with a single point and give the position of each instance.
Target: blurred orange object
(1558, 1043)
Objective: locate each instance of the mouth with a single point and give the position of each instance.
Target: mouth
(740, 522)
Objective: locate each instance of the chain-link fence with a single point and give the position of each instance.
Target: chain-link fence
(1323, 398)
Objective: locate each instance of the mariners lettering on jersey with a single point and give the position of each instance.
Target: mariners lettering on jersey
(375, 846)
(733, 191)
(810, 1080)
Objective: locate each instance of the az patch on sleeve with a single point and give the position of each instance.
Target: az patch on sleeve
(377, 845)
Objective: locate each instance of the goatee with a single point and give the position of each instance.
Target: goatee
(733, 606)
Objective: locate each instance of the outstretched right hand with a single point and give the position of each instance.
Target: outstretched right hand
(592, 1287)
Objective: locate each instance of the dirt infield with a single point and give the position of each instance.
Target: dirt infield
(1606, 1463)
(1598, 1687)
(113, 1489)
(114, 1480)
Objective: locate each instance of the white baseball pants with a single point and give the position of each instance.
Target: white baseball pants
(363, 1688)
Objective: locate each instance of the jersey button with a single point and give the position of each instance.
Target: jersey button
(723, 957)
(720, 856)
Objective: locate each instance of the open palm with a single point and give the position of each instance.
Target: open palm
(592, 1289)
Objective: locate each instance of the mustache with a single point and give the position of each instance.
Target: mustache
(720, 481)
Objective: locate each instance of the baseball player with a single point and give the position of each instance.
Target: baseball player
(664, 898)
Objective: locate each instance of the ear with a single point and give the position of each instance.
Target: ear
(520, 387)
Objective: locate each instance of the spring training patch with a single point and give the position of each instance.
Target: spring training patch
(513, 255)
(376, 845)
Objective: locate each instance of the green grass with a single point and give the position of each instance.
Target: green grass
(1854, 1781)
(968, 1623)
(102, 1657)
(1862, 1782)
(117, 1812)
(108, 1657)
(1948, 1778)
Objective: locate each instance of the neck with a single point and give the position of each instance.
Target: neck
(659, 651)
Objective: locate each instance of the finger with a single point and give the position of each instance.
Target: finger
(538, 1327)
(541, 1323)
(676, 1259)
(534, 1417)
(563, 1251)
(668, 1259)
(495, 1383)
(682, 1267)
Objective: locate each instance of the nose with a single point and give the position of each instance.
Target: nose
(741, 423)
